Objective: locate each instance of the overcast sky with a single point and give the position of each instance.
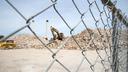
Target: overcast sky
(10, 20)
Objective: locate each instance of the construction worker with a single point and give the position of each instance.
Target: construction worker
(56, 34)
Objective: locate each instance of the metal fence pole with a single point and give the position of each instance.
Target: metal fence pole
(127, 51)
(115, 45)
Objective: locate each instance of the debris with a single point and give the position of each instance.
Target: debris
(83, 39)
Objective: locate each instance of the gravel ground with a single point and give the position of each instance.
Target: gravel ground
(38, 60)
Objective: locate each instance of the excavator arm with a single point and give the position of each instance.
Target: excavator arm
(56, 34)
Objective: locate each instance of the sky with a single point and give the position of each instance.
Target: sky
(10, 20)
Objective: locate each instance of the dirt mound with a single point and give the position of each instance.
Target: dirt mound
(87, 39)
(28, 41)
(90, 39)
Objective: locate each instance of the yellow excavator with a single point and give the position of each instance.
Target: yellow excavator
(7, 44)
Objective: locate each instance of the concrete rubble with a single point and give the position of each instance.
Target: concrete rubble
(87, 39)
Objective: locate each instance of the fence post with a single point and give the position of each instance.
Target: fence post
(114, 45)
(127, 51)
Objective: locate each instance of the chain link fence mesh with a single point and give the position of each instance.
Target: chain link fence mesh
(109, 38)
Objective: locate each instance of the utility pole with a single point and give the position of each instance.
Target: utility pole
(46, 31)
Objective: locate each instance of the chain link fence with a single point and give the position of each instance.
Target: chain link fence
(120, 43)
(108, 39)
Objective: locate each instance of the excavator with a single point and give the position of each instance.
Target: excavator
(56, 34)
(7, 43)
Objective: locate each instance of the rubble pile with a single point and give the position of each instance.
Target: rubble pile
(87, 39)
(90, 39)
(27, 41)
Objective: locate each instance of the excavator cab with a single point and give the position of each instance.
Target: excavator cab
(61, 36)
